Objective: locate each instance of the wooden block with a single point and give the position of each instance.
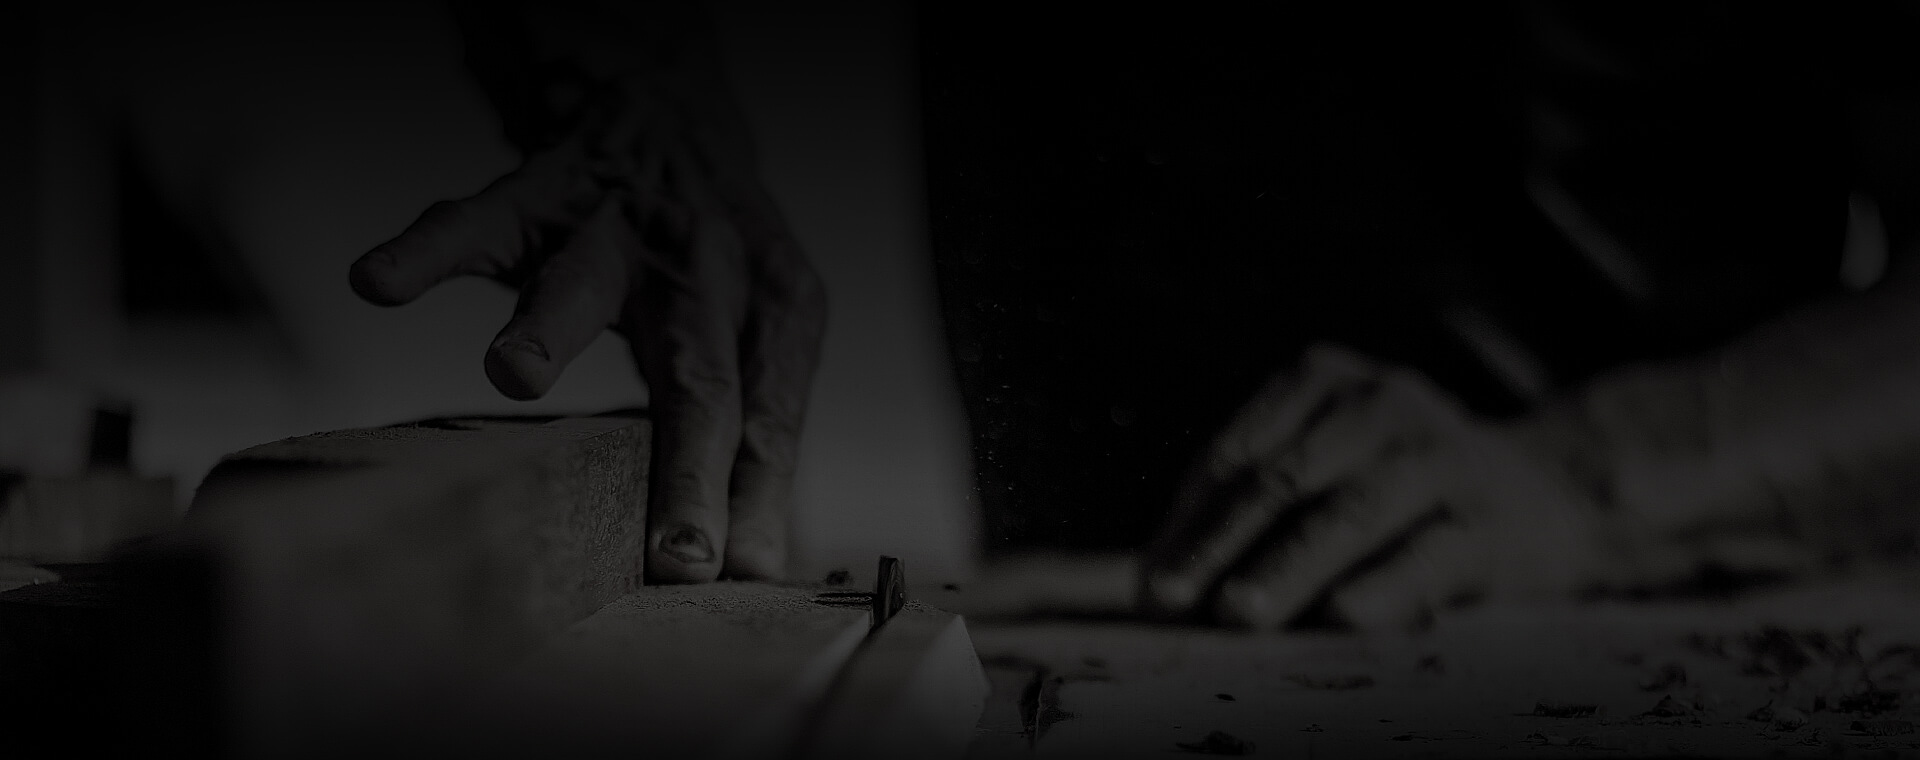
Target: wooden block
(472, 588)
(914, 689)
(735, 670)
(717, 670)
(369, 576)
(15, 574)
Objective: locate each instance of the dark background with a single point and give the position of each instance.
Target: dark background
(1141, 215)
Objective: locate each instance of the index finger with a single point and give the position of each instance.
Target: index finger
(489, 233)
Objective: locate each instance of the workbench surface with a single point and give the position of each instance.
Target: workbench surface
(1817, 669)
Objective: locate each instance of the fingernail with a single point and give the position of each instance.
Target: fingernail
(687, 544)
(521, 344)
(368, 278)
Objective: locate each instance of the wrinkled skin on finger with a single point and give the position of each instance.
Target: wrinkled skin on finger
(644, 220)
(1363, 490)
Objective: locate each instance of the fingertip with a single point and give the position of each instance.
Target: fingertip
(519, 367)
(371, 277)
(681, 553)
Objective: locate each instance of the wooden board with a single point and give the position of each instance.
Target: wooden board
(733, 670)
(1470, 688)
(472, 588)
(717, 670)
(367, 575)
(914, 689)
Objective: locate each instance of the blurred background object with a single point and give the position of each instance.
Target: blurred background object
(54, 515)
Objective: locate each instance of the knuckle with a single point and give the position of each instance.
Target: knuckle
(770, 437)
(1277, 478)
(792, 283)
(1170, 593)
(1230, 452)
(576, 273)
(1246, 603)
(1355, 514)
(1218, 462)
(1282, 472)
(445, 214)
(701, 383)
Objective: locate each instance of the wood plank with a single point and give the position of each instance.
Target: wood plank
(722, 670)
(1470, 687)
(914, 689)
(472, 588)
(734, 670)
(370, 576)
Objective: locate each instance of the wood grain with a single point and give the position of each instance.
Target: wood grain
(735, 670)
(369, 575)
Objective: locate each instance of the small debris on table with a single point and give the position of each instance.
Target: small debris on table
(1668, 707)
(1556, 740)
(840, 577)
(1779, 718)
(1094, 670)
(1882, 727)
(1218, 743)
(1040, 704)
(1341, 683)
(950, 586)
(1869, 701)
(1224, 697)
(1560, 710)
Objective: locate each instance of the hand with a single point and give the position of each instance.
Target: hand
(1369, 489)
(626, 225)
